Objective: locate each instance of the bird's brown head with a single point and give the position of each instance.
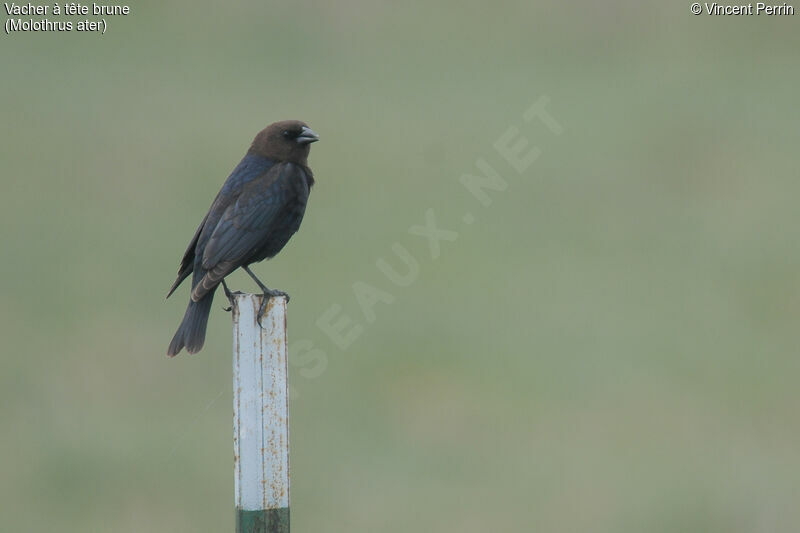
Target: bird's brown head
(287, 140)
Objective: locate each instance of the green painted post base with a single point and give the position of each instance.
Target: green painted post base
(265, 521)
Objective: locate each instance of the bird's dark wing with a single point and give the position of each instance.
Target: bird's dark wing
(246, 224)
(251, 167)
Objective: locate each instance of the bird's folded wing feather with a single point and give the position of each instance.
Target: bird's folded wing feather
(249, 221)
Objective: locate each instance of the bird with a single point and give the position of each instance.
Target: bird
(259, 207)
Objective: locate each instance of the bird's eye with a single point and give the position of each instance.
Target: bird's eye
(286, 133)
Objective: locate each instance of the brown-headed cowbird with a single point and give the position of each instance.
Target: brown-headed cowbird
(259, 207)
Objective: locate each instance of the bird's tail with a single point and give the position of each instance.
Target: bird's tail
(192, 331)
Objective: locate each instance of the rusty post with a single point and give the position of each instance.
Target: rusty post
(260, 416)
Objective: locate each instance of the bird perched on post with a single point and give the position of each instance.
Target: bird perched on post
(259, 207)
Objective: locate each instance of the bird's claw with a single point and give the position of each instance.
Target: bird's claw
(274, 292)
(261, 309)
(229, 295)
(271, 293)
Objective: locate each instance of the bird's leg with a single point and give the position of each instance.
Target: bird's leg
(229, 296)
(268, 293)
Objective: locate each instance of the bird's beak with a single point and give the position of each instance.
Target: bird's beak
(307, 136)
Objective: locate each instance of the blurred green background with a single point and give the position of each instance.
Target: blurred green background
(610, 347)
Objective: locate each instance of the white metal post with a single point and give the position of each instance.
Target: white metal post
(260, 416)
